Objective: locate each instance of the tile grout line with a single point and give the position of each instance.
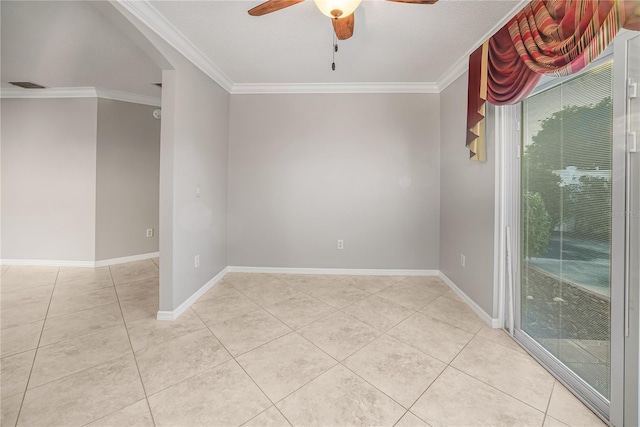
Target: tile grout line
(546, 412)
(35, 354)
(124, 323)
(241, 367)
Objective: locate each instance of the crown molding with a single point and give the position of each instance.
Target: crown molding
(302, 88)
(457, 69)
(149, 15)
(79, 92)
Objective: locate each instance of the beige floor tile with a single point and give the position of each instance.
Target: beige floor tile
(156, 261)
(141, 308)
(338, 295)
(14, 373)
(138, 290)
(456, 399)
(499, 336)
(410, 420)
(71, 303)
(433, 337)
(73, 280)
(9, 409)
(340, 398)
(284, 365)
(68, 326)
(224, 394)
(452, 295)
(552, 422)
(219, 290)
(247, 280)
(136, 415)
(299, 311)
(246, 332)
(134, 271)
(83, 397)
(339, 335)
(149, 331)
(370, 284)
(508, 370)
(218, 310)
(20, 338)
(270, 294)
(455, 313)
(400, 371)
(269, 418)
(305, 282)
(432, 283)
(3, 269)
(565, 407)
(26, 306)
(78, 353)
(170, 362)
(378, 312)
(413, 297)
(20, 278)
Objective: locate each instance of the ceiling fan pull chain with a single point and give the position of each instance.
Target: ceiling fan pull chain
(333, 53)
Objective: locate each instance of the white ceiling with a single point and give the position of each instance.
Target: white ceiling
(392, 42)
(74, 44)
(89, 43)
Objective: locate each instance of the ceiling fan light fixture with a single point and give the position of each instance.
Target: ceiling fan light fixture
(337, 8)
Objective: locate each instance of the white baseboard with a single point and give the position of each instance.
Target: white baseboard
(333, 271)
(491, 322)
(47, 263)
(125, 259)
(173, 315)
(64, 263)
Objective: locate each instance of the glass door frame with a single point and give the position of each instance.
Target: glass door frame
(508, 132)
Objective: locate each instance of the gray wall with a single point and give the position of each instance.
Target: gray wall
(307, 170)
(48, 179)
(193, 151)
(128, 179)
(467, 203)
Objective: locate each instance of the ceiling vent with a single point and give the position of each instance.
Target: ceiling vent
(157, 84)
(27, 85)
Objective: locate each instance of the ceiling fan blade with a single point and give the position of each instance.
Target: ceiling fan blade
(343, 27)
(272, 6)
(415, 1)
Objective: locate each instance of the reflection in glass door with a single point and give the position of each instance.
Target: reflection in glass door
(565, 230)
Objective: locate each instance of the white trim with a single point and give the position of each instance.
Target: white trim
(173, 315)
(126, 259)
(457, 69)
(88, 264)
(283, 88)
(79, 92)
(333, 271)
(149, 15)
(118, 95)
(491, 322)
(47, 262)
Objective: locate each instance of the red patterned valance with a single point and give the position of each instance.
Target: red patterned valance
(557, 37)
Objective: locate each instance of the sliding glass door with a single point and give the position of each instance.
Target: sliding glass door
(565, 276)
(570, 297)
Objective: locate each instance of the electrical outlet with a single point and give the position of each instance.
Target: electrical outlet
(462, 260)
(340, 244)
(149, 232)
(197, 261)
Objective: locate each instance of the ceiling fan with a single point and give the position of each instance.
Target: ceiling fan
(340, 11)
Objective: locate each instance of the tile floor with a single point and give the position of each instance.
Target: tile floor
(82, 347)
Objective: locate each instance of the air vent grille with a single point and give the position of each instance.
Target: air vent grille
(27, 85)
